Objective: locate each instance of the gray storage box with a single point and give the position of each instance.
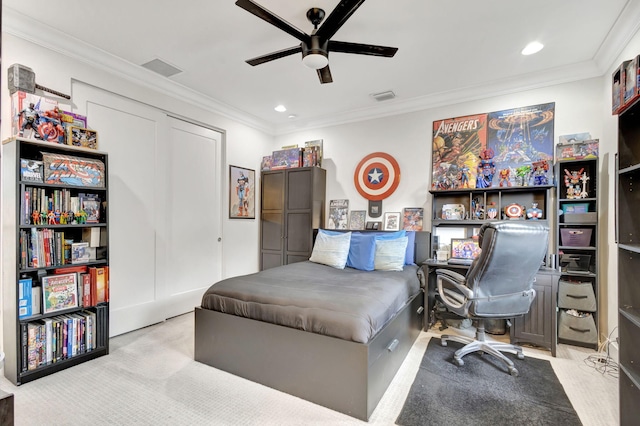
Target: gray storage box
(577, 329)
(578, 296)
(590, 217)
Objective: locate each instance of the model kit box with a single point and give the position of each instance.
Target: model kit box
(285, 159)
(70, 170)
(631, 81)
(617, 88)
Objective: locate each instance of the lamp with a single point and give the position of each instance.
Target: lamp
(315, 61)
(314, 54)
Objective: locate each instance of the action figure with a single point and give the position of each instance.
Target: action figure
(540, 169)
(522, 173)
(51, 218)
(584, 179)
(30, 120)
(534, 212)
(572, 182)
(486, 169)
(504, 177)
(35, 217)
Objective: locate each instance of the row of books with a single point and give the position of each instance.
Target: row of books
(67, 288)
(58, 207)
(40, 248)
(52, 340)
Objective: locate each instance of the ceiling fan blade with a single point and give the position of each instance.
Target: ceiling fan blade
(338, 17)
(273, 19)
(361, 49)
(325, 75)
(274, 55)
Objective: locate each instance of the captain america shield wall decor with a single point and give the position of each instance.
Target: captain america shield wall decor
(376, 177)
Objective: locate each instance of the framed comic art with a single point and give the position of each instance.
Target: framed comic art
(412, 218)
(392, 221)
(242, 193)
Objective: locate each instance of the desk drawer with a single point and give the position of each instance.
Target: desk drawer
(576, 295)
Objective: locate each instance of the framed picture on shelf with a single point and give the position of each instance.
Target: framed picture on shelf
(374, 226)
(412, 218)
(60, 292)
(241, 193)
(79, 136)
(356, 220)
(392, 221)
(338, 214)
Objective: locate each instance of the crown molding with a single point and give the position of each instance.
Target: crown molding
(623, 30)
(17, 24)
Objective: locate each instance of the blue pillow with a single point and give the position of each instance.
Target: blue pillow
(411, 248)
(363, 248)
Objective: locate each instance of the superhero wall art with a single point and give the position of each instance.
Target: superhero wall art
(505, 148)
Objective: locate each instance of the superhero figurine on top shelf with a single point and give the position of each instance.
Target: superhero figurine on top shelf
(486, 169)
(540, 169)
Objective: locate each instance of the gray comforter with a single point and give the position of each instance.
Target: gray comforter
(349, 304)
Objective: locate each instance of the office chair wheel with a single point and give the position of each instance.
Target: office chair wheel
(514, 371)
(458, 361)
(443, 342)
(520, 355)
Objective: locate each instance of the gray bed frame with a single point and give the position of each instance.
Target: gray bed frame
(345, 376)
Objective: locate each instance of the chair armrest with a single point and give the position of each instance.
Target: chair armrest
(453, 299)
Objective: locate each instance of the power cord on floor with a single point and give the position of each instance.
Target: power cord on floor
(602, 361)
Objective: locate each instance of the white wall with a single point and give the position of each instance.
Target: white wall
(579, 108)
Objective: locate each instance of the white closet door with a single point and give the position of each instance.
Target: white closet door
(193, 216)
(158, 268)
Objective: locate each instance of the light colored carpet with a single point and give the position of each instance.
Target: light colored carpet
(150, 378)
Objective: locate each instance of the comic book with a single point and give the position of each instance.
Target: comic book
(357, 219)
(70, 170)
(338, 214)
(412, 218)
(60, 292)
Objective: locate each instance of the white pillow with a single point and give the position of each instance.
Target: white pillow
(331, 250)
(390, 254)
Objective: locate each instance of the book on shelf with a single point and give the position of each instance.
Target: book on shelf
(99, 288)
(25, 300)
(31, 170)
(317, 144)
(91, 236)
(60, 292)
(90, 203)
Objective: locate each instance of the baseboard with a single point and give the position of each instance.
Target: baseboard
(614, 351)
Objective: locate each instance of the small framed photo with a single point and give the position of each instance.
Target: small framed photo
(392, 221)
(374, 226)
(79, 136)
(412, 218)
(242, 193)
(357, 219)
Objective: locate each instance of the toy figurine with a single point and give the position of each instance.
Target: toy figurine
(584, 193)
(51, 218)
(486, 169)
(540, 169)
(492, 212)
(31, 119)
(534, 212)
(572, 182)
(35, 217)
(522, 173)
(81, 217)
(504, 177)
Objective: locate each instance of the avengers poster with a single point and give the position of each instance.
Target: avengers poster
(506, 148)
(457, 143)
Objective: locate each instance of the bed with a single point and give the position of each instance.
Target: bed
(333, 337)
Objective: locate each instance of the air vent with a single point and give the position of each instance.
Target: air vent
(162, 68)
(383, 96)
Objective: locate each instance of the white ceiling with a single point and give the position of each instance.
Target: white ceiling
(449, 50)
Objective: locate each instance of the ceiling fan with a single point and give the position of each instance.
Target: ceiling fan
(315, 48)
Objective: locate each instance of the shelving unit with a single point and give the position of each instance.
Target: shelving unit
(538, 327)
(578, 252)
(628, 237)
(20, 233)
(293, 204)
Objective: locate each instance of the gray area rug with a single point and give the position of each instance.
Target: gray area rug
(482, 392)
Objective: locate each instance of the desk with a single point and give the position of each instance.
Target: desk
(538, 327)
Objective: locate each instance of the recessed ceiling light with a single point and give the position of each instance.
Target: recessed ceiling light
(533, 47)
(280, 108)
(292, 116)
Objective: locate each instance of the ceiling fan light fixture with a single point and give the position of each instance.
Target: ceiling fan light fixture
(315, 61)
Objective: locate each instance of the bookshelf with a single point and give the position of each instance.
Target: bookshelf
(628, 229)
(55, 246)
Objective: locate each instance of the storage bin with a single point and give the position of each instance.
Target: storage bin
(577, 329)
(575, 263)
(575, 237)
(576, 295)
(591, 217)
(575, 208)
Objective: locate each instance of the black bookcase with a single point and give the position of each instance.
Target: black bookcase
(23, 193)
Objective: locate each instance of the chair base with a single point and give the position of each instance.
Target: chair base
(479, 344)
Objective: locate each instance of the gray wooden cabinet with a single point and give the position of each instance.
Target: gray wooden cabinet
(628, 232)
(292, 208)
(538, 327)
